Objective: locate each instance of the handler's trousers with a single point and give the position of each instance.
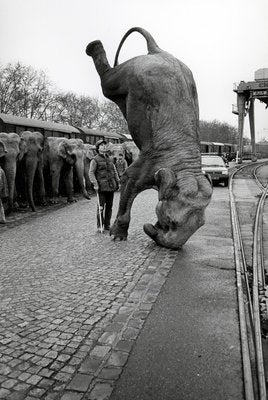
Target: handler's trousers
(106, 203)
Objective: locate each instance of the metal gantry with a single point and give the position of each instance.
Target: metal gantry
(247, 92)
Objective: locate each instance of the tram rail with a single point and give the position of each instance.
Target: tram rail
(251, 282)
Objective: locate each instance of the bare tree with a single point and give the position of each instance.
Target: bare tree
(75, 110)
(215, 131)
(112, 119)
(24, 91)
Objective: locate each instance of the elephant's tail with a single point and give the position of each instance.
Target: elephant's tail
(151, 44)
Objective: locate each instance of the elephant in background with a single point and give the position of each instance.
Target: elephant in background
(3, 186)
(131, 152)
(61, 155)
(15, 149)
(158, 98)
(31, 166)
(114, 150)
(89, 153)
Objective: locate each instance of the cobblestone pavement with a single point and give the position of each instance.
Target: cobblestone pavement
(72, 301)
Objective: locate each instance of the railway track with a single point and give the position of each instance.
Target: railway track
(249, 213)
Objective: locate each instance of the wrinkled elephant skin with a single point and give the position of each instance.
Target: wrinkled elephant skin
(157, 95)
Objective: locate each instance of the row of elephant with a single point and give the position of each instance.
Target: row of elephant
(34, 166)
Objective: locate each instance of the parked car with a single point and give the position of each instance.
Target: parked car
(216, 168)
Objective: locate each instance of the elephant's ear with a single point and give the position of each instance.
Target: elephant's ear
(40, 140)
(80, 143)
(40, 150)
(109, 149)
(90, 154)
(63, 150)
(3, 149)
(23, 148)
(165, 180)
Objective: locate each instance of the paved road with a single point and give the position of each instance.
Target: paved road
(73, 302)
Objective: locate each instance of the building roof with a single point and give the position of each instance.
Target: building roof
(37, 123)
(218, 144)
(127, 136)
(100, 132)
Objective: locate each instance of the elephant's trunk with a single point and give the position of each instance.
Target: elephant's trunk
(79, 167)
(86, 177)
(96, 51)
(31, 166)
(10, 169)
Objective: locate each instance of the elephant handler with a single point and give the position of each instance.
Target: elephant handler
(105, 180)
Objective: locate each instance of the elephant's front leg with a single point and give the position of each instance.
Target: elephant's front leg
(55, 180)
(128, 192)
(136, 179)
(42, 192)
(68, 179)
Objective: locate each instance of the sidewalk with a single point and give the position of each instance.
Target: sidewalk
(189, 347)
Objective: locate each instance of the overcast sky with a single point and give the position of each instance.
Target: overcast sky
(222, 42)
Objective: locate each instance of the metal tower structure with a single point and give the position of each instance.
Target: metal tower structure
(247, 92)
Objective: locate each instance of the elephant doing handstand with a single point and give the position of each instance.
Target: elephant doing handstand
(157, 95)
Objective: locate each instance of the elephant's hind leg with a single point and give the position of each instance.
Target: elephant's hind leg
(68, 179)
(2, 213)
(55, 180)
(120, 226)
(42, 192)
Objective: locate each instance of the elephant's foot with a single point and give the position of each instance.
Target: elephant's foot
(53, 201)
(9, 210)
(22, 205)
(119, 231)
(86, 195)
(41, 203)
(71, 200)
(16, 205)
